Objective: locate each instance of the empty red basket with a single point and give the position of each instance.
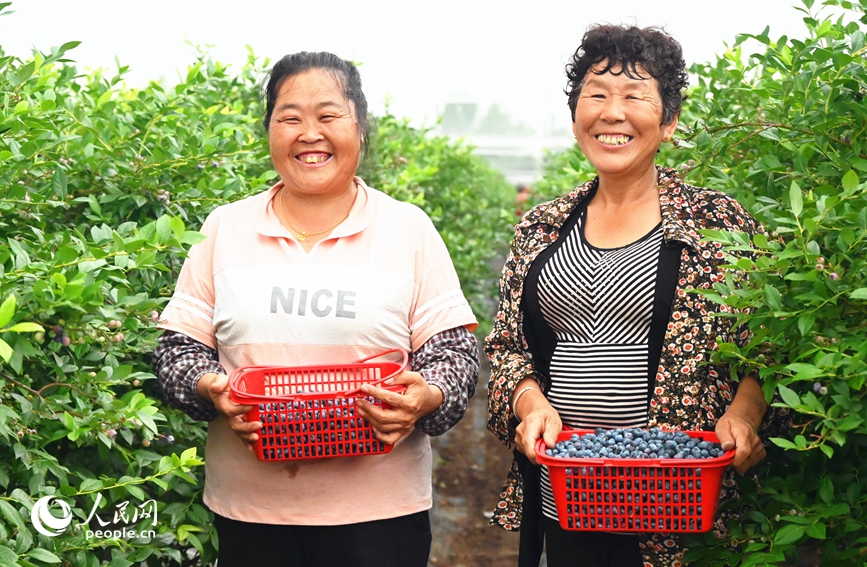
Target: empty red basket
(308, 412)
(635, 495)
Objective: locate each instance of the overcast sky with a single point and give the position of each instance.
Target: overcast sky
(422, 54)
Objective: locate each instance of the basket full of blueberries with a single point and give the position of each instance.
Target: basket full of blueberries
(635, 480)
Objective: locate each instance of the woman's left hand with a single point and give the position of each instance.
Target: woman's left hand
(738, 427)
(419, 399)
(735, 432)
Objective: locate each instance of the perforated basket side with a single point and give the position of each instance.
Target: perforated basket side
(636, 498)
(315, 427)
(636, 495)
(292, 382)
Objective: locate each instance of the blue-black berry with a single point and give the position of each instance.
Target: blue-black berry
(653, 443)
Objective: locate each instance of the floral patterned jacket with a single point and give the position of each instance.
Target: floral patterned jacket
(690, 393)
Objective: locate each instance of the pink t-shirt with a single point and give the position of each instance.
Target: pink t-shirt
(383, 279)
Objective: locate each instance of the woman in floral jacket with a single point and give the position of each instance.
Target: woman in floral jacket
(597, 326)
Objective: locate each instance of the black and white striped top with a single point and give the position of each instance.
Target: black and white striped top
(599, 303)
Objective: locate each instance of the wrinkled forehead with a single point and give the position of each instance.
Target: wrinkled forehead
(627, 75)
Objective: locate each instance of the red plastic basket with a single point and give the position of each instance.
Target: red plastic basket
(308, 412)
(635, 495)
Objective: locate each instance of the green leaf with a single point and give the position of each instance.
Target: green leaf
(796, 199)
(5, 351)
(147, 421)
(59, 183)
(761, 241)
(90, 265)
(838, 509)
(68, 421)
(826, 490)
(850, 181)
(90, 485)
(816, 531)
(177, 225)
(184, 530)
(26, 328)
(805, 322)
(860, 293)
(191, 237)
(804, 371)
(773, 297)
(8, 558)
(7, 310)
(789, 534)
(43, 555)
(784, 443)
(104, 97)
(67, 46)
(135, 491)
(789, 396)
(12, 515)
(164, 228)
(188, 455)
(849, 422)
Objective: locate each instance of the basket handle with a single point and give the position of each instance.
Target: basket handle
(241, 397)
(403, 364)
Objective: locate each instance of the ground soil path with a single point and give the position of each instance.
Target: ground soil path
(469, 468)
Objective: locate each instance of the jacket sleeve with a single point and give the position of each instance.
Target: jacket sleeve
(505, 345)
(450, 361)
(178, 363)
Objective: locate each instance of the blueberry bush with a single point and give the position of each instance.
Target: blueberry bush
(102, 188)
(784, 130)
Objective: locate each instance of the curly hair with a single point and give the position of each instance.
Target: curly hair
(627, 48)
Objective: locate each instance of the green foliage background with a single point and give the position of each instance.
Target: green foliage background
(101, 190)
(786, 134)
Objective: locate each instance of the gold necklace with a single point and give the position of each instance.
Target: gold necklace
(302, 236)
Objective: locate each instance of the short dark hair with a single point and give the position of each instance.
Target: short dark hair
(344, 72)
(657, 52)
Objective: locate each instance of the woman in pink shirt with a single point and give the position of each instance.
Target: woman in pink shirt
(320, 268)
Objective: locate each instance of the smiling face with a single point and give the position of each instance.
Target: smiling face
(313, 135)
(617, 123)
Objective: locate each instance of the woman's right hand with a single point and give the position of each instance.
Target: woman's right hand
(215, 388)
(538, 419)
